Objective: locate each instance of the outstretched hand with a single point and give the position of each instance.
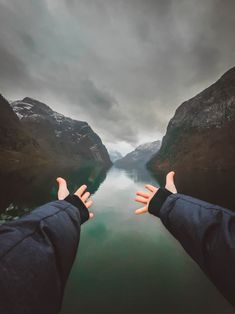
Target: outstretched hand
(81, 192)
(145, 198)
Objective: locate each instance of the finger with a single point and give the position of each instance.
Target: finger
(85, 196)
(170, 184)
(91, 215)
(81, 190)
(170, 178)
(89, 204)
(142, 210)
(143, 194)
(62, 188)
(151, 188)
(142, 200)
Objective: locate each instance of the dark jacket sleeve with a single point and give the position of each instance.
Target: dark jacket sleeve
(36, 256)
(207, 233)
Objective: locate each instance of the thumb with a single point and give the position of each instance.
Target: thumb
(62, 188)
(170, 184)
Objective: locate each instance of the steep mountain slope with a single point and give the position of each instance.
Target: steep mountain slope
(139, 156)
(16, 144)
(12, 134)
(59, 136)
(202, 132)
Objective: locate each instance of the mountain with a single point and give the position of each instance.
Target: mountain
(139, 157)
(12, 134)
(115, 155)
(60, 137)
(201, 135)
(17, 146)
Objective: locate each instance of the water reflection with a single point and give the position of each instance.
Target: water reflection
(21, 191)
(141, 174)
(130, 264)
(216, 187)
(126, 263)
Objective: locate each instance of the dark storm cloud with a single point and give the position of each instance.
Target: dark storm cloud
(124, 66)
(10, 66)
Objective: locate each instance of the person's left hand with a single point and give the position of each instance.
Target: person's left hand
(81, 192)
(145, 198)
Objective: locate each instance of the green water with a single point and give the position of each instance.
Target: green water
(125, 263)
(130, 264)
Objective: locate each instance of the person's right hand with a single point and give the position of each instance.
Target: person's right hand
(81, 192)
(145, 198)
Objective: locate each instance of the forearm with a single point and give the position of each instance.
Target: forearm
(39, 249)
(58, 222)
(207, 233)
(191, 220)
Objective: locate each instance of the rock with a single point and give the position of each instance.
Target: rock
(139, 156)
(202, 132)
(17, 146)
(59, 136)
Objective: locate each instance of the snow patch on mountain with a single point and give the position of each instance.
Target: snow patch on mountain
(140, 156)
(56, 132)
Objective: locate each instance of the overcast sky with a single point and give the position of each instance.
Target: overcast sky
(123, 66)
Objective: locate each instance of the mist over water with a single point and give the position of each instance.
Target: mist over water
(125, 263)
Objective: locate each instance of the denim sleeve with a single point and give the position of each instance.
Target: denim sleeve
(207, 233)
(36, 256)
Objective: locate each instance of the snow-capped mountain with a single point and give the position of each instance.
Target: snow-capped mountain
(115, 155)
(13, 136)
(17, 147)
(140, 156)
(59, 135)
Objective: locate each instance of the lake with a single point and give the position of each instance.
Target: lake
(125, 263)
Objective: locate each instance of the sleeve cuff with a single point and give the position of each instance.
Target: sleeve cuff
(157, 201)
(77, 202)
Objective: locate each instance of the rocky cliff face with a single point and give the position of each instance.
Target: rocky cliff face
(139, 156)
(202, 132)
(60, 137)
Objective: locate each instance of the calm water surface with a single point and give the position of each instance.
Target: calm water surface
(125, 263)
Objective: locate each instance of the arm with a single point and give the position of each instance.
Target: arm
(206, 231)
(203, 229)
(37, 253)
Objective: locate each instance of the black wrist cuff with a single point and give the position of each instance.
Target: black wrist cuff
(157, 201)
(77, 202)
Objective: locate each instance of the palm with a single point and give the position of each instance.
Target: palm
(63, 192)
(145, 197)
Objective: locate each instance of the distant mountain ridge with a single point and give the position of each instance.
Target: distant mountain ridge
(58, 135)
(12, 134)
(140, 156)
(32, 133)
(202, 132)
(115, 155)
(17, 146)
